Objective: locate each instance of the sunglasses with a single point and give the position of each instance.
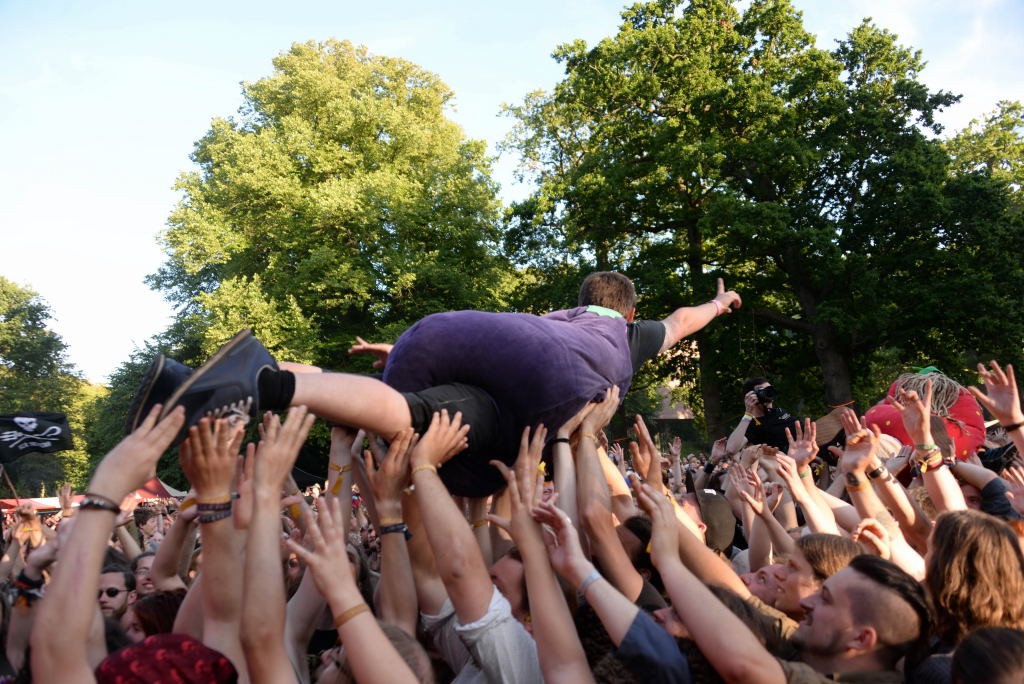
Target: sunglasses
(111, 592)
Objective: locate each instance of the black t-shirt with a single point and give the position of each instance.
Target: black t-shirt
(645, 339)
(771, 428)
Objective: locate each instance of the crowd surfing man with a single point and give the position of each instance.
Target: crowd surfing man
(502, 371)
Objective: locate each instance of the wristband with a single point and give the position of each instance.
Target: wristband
(479, 523)
(391, 521)
(859, 486)
(592, 436)
(1013, 426)
(592, 577)
(925, 447)
(747, 417)
(226, 499)
(213, 507)
(560, 440)
(397, 527)
(876, 473)
(709, 467)
(804, 473)
(352, 612)
(422, 467)
(98, 503)
(206, 518)
(718, 307)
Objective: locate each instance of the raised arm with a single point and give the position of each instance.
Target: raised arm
(397, 592)
(687, 320)
(456, 554)
(370, 654)
(209, 457)
(942, 487)
(728, 644)
(558, 648)
(595, 502)
(66, 613)
(1002, 400)
(263, 611)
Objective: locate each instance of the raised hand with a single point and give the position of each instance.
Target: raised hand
(1014, 475)
(873, 535)
(65, 497)
(279, 446)
(728, 300)
(861, 442)
(1001, 397)
(753, 495)
(803, 445)
(525, 487)
(664, 525)
(380, 350)
(132, 463)
(327, 558)
(563, 544)
(916, 413)
(445, 437)
(602, 413)
(388, 481)
(675, 449)
(209, 457)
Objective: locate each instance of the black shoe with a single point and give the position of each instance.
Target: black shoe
(225, 386)
(162, 378)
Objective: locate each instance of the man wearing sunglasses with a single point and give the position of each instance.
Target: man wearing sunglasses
(117, 591)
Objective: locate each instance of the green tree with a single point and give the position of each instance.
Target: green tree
(703, 141)
(341, 201)
(35, 375)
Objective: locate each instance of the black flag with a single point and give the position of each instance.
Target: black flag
(23, 433)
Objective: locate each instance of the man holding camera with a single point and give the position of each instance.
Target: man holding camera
(763, 422)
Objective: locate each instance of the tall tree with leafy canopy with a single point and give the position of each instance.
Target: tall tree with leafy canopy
(341, 201)
(706, 141)
(35, 375)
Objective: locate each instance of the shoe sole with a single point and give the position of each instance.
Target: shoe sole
(156, 367)
(221, 353)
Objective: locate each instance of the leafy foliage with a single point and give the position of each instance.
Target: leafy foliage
(702, 140)
(340, 202)
(36, 376)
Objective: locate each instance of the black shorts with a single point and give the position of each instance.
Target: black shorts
(470, 472)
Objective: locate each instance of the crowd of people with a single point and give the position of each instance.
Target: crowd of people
(477, 523)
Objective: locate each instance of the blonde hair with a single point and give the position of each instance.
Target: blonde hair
(945, 390)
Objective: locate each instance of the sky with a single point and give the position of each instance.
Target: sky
(102, 101)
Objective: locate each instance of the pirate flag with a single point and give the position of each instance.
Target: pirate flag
(23, 433)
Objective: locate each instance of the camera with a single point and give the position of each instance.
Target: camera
(766, 395)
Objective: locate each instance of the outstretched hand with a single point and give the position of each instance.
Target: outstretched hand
(916, 413)
(279, 446)
(209, 457)
(380, 350)
(563, 543)
(803, 442)
(861, 443)
(388, 481)
(445, 437)
(328, 557)
(525, 487)
(1001, 397)
(132, 463)
(728, 300)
